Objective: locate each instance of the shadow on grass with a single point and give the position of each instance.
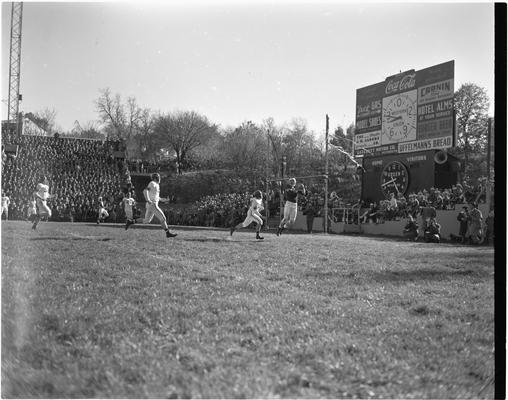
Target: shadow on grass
(445, 242)
(426, 275)
(139, 225)
(225, 239)
(100, 239)
(205, 239)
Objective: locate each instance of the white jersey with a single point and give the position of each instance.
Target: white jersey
(152, 192)
(256, 204)
(5, 201)
(128, 203)
(42, 191)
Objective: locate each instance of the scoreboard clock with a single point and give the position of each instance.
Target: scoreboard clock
(394, 178)
(399, 118)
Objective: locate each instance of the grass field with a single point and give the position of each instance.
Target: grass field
(97, 311)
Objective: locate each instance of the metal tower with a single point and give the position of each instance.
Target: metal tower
(15, 65)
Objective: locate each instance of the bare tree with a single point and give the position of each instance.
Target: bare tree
(121, 119)
(182, 132)
(91, 130)
(244, 148)
(44, 119)
(275, 136)
(147, 141)
(111, 113)
(343, 141)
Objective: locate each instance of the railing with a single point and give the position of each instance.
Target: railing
(347, 215)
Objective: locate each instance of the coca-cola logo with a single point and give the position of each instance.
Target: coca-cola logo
(405, 83)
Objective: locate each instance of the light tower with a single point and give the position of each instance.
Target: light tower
(15, 66)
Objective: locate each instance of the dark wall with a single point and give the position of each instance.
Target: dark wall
(423, 173)
(446, 175)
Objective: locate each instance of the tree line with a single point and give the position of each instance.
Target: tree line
(193, 142)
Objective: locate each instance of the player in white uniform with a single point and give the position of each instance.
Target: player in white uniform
(253, 214)
(151, 193)
(128, 203)
(5, 206)
(41, 196)
(102, 213)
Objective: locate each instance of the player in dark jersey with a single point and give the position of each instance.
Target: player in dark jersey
(291, 204)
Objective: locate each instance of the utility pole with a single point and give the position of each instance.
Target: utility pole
(283, 186)
(489, 144)
(326, 173)
(14, 66)
(267, 178)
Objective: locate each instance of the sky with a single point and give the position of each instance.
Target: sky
(238, 61)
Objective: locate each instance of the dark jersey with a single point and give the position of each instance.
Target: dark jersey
(292, 194)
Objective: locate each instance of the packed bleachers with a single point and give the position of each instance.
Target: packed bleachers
(78, 171)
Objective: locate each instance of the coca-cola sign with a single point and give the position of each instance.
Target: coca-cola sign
(406, 107)
(401, 84)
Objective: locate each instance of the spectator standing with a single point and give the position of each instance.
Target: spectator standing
(489, 228)
(463, 219)
(414, 205)
(373, 214)
(310, 212)
(475, 224)
(391, 207)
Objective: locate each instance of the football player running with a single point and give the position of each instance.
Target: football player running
(151, 194)
(102, 213)
(128, 203)
(41, 196)
(5, 205)
(253, 215)
(291, 204)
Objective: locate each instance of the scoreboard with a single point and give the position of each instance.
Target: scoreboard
(409, 112)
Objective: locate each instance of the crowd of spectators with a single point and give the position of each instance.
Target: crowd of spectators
(220, 210)
(223, 210)
(78, 171)
(400, 207)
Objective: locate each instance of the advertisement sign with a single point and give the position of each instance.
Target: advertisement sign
(368, 108)
(410, 111)
(429, 144)
(369, 139)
